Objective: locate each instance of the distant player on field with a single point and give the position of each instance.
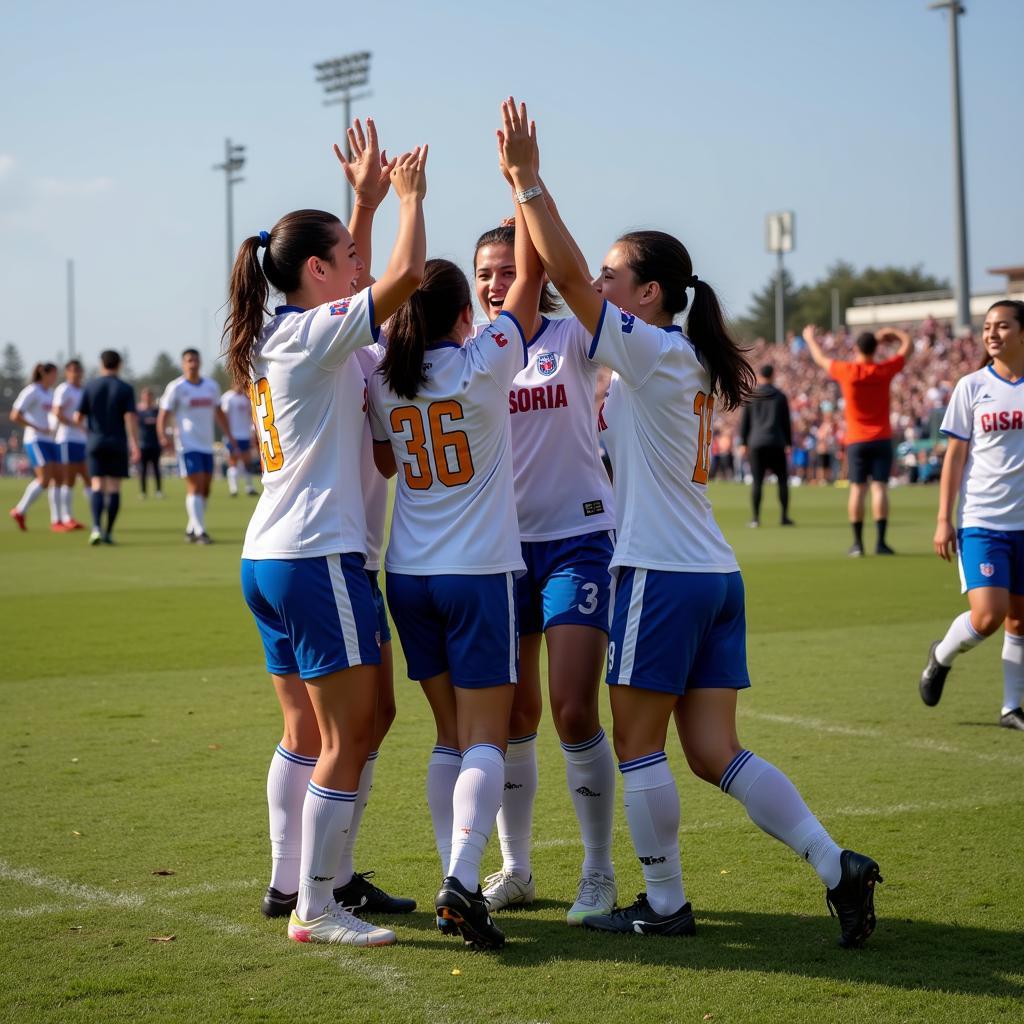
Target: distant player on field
(194, 402)
(71, 439)
(766, 437)
(984, 464)
(237, 407)
(31, 410)
(865, 385)
(149, 442)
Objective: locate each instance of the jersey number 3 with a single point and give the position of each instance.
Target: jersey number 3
(263, 417)
(452, 461)
(703, 409)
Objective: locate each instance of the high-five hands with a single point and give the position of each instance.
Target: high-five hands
(408, 174)
(517, 145)
(369, 170)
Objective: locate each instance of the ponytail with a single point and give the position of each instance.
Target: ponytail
(40, 370)
(248, 301)
(428, 315)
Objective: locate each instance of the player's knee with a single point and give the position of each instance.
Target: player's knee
(1014, 626)
(987, 621)
(575, 719)
(386, 713)
(524, 720)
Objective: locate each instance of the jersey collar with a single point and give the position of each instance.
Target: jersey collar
(1012, 383)
(544, 321)
(673, 327)
(281, 310)
(441, 344)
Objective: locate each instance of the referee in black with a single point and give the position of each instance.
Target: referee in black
(107, 410)
(766, 436)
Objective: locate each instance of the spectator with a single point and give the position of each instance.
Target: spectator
(766, 432)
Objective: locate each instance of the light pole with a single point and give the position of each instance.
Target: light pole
(71, 309)
(234, 161)
(779, 239)
(962, 282)
(339, 77)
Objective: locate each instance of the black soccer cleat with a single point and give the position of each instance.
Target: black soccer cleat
(641, 919)
(190, 537)
(1012, 719)
(203, 538)
(786, 521)
(881, 548)
(277, 903)
(933, 678)
(468, 912)
(361, 896)
(853, 899)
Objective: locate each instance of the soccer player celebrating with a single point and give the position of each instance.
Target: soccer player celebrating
(237, 407)
(865, 385)
(438, 409)
(194, 402)
(31, 410)
(71, 439)
(984, 464)
(677, 643)
(563, 598)
(303, 560)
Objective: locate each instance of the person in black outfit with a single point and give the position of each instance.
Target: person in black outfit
(108, 411)
(766, 436)
(149, 441)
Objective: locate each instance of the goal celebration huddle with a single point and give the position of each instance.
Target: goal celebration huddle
(506, 534)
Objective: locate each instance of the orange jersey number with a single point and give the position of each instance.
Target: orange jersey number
(263, 417)
(703, 409)
(452, 459)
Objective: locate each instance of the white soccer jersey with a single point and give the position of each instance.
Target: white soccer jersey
(66, 398)
(309, 413)
(455, 506)
(375, 487)
(988, 411)
(562, 489)
(238, 410)
(657, 423)
(193, 406)
(34, 402)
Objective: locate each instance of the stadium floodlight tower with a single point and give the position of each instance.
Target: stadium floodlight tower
(234, 161)
(779, 239)
(962, 283)
(339, 77)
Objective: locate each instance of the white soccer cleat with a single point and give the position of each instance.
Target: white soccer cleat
(336, 925)
(503, 889)
(596, 894)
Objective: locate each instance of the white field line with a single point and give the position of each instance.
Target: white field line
(83, 894)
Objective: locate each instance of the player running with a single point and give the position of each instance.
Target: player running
(678, 636)
(438, 409)
(984, 464)
(71, 440)
(235, 405)
(563, 598)
(194, 402)
(303, 560)
(31, 410)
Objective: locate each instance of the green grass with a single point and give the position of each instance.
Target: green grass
(139, 725)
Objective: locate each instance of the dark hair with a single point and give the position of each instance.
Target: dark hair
(506, 235)
(866, 343)
(657, 256)
(1018, 314)
(293, 239)
(767, 371)
(109, 359)
(428, 315)
(191, 352)
(72, 364)
(40, 370)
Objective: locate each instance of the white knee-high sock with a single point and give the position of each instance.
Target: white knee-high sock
(53, 493)
(651, 800)
(1013, 672)
(515, 816)
(326, 817)
(475, 803)
(346, 866)
(64, 503)
(775, 806)
(32, 491)
(190, 508)
(590, 773)
(442, 773)
(233, 479)
(287, 781)
(960, 638)
(199, 511)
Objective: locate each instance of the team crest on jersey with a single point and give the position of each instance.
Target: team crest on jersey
(499, 339)
(987, 569)
(340, 308)
(547, 363)
(627, 323)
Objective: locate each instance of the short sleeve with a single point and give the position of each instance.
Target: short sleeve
(839, 370)
(378, 428)
(85, 403)
(19, 402)
(225, 402)
(58, 396)
(129, 398)
(893, 366)
(502, 349)
(958, 420)
(626, 344)
(332, 332)
(168, 397)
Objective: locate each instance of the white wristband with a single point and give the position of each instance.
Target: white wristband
(529, 193)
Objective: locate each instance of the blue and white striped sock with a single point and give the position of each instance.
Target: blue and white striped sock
(515, 816)
(475, 803)
(346, 866)
(442, 773)
(287, 779)
(1013, 672)
(326, 817)
(590, 774)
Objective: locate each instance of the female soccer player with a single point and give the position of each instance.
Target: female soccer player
(31, 410)
(438, 408)
(566, 545)
(984, 464)
(71, 440)
(677, 642)
(305, 548)
(235, 405)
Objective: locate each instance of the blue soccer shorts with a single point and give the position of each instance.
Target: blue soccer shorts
(72, 452)
(991, 558)
(465, 625)
(191, 463)
(566, 581)
(383, 628)
(676, 631)
(315, 615)
(42, 452)
(240, 445)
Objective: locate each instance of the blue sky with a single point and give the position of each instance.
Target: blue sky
(694, 117)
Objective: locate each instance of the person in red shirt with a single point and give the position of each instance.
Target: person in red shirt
(865, 385)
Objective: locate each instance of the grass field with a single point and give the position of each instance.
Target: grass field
(140, 725)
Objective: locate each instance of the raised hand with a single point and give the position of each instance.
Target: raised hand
(517, 141)
(408, 174)
(369, 170)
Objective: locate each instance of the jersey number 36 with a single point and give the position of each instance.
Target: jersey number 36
(448, 459)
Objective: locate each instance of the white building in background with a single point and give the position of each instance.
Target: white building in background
(915, 307)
